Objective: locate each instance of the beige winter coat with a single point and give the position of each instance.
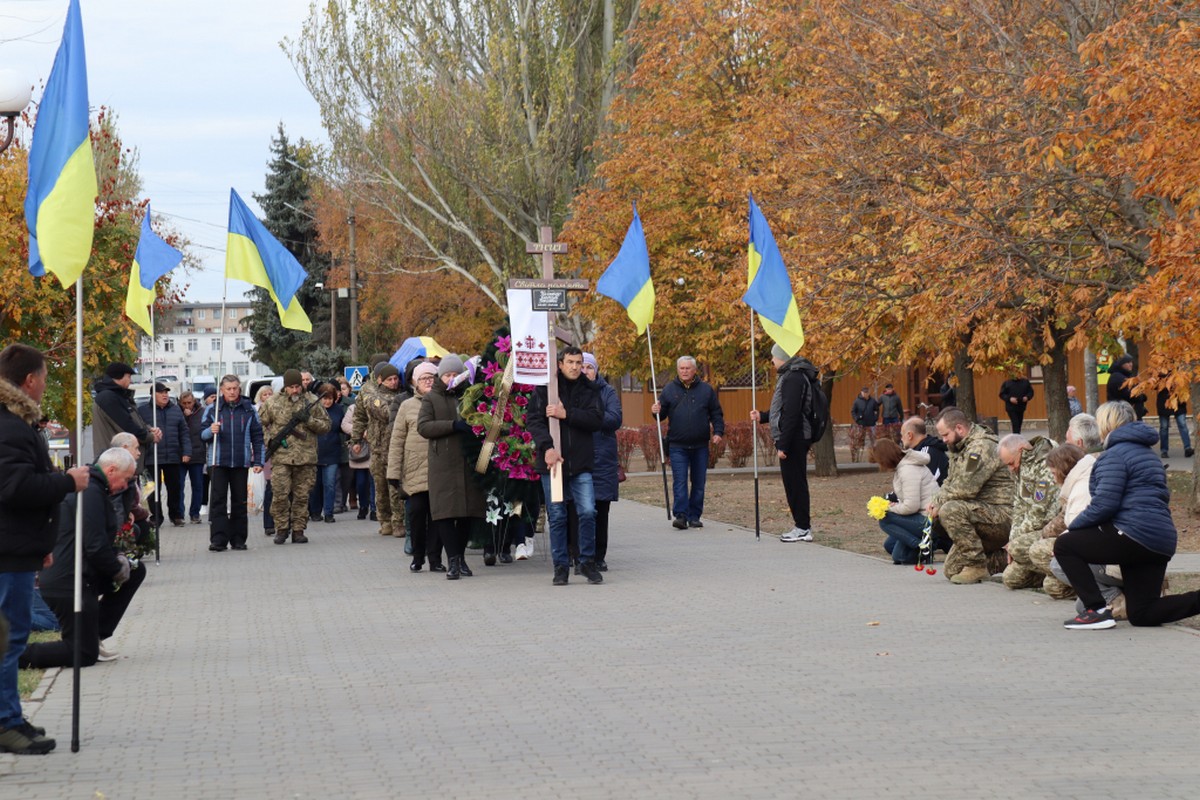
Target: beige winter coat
(408, 453)
(1075, 494)
(913, 484)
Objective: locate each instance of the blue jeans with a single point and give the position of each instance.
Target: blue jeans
(583, 495)
(194, 472)
(904, 533)
(324, 490)
(364, 487)
(683, 461)
(1164, 432)
(16, 603)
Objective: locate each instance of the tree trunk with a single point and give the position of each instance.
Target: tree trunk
(966, 383)
(1091, 386)
(1054, 377)
(826, 459)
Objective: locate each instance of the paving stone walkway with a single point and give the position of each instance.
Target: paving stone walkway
(708, 665)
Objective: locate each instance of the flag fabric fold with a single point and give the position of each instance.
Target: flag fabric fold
(627, 278)
(769, 289)
(60, 205)
(153, 259)
(253, 255)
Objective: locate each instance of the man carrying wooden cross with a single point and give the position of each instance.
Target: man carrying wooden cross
(580, 414)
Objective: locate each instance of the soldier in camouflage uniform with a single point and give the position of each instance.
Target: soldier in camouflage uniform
(372, 418)
(975, 502)
(1035, 503)
(294, 464)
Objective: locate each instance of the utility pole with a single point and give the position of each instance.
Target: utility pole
(353, 294)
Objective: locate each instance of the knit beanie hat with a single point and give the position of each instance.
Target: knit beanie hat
(423, 369)
(450, 364)
(292, 377)
(386, 371)
(588, 358)
(779, 352)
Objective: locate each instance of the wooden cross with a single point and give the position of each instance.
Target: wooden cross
(550, 294)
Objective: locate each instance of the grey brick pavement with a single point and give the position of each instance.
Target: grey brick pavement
(707, 666)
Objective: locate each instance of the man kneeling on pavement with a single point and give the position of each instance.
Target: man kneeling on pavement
(1035, 502)
(975, 502)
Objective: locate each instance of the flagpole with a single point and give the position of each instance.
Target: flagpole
(662, 459)
(221, 332)
(77, 647)
(158, 492)
(754, 431)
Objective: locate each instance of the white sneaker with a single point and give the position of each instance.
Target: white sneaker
(529, 546)
(522, 552)
(204, 511)
(797, 535)
(106, 654)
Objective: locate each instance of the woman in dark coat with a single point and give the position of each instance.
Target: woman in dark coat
(604, 460)
(1128, 522)
(455, 497)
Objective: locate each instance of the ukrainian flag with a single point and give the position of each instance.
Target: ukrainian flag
(253, 255)
(153, 259)
(60, 206)
(627, 279)
(770, 289)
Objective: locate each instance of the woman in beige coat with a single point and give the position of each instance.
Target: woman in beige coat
(408, 471)
(913, 488)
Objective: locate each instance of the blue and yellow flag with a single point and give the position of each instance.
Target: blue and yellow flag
(770, 289)
(153, 259)
(255, 256)
(627, 279)
(60, 206)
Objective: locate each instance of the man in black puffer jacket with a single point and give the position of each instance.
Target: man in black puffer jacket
(30, 493)
(691, 406)
(113, 411)
(174, 452)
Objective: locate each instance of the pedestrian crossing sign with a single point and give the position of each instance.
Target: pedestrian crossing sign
(356, 376)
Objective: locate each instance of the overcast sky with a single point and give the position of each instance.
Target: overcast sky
(199, 88)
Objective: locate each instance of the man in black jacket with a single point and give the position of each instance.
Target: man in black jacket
(1120, 385)
(174, 453)
(113, 411)
(1016, 394)
(791, 418)
(865, 413)
(691, 406)
(30, 493)
(105, 571)
(580, 415)
(914, 436)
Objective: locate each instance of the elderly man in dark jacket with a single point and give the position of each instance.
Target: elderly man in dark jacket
(694, 413)
(791, 418)
(105, 571)
(235, 437)
(174, 452)
(30, 493)
(114, 411)
(580, 415)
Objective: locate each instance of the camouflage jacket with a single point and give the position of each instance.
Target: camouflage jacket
(301, 444)
(976, 472)
(1035, 496)
(378, 411)
(358, 431)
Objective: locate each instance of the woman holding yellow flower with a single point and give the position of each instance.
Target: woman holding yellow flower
(913, 488)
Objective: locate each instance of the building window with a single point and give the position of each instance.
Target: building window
(240, 345)
(216, 344)
(168, 345)
(193, 345)
(200, 313)
(242, 368)
(215, 368)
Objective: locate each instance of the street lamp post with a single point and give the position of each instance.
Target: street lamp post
(14, 96)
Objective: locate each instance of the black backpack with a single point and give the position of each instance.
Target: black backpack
(817, 410)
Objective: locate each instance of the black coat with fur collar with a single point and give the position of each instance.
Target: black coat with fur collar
(30, 488)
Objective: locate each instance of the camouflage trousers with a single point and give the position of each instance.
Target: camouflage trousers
(858, 436)
(976, 529)
(1041, 553)
(388, 506)
(290, 487)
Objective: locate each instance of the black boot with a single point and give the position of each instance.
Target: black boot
(453, 573)
(463, 568)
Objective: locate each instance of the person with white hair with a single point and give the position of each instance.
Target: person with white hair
(104, 569)
(695, 419)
